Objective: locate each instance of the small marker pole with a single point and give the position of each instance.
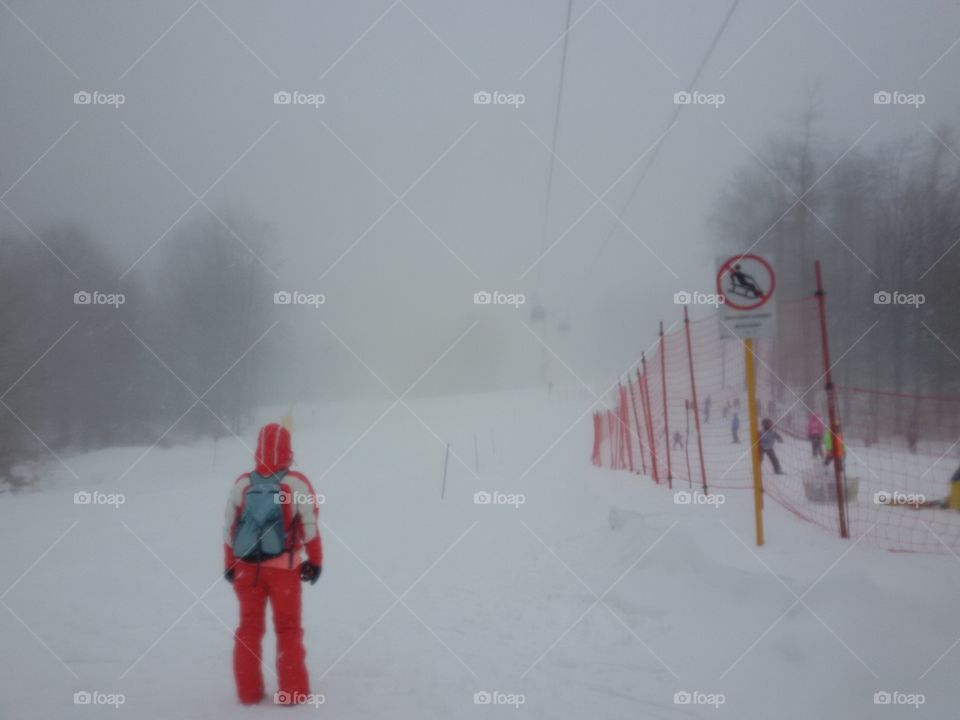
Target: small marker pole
(446, 458)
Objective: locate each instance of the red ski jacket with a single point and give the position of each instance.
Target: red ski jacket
(300, 507)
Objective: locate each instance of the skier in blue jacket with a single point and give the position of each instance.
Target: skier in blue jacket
(768, 439)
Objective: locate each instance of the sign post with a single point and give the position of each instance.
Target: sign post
(747, 283)
(754, 447)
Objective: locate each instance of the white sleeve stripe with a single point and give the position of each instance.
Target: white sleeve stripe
(306, 507)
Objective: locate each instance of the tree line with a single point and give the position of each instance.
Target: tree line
(92, 361)
(885, 222)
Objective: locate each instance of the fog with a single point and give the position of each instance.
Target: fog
(460, 288)
(398, 197)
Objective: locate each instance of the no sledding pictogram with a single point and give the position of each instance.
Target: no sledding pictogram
(746, 282)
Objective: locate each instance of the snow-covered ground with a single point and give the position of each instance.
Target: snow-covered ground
(598, 596)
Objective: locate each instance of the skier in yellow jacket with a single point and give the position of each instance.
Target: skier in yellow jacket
(829, 452)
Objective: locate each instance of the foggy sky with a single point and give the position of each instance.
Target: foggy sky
(399, 81)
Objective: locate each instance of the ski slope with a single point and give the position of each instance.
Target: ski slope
(597, 596)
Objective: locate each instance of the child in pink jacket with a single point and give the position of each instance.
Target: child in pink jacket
(815, 430)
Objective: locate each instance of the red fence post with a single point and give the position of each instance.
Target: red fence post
(696, 406)
(624, 413)
(610, 439)
(832, 406)
(666, 420)
(636, 419)
(648, 417)
(686, 445)
(612, 435)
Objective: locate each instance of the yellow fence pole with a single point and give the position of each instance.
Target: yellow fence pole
(754, 445)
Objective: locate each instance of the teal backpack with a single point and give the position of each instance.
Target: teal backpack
(260, 534)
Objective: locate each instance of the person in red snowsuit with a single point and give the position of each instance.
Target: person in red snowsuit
(276, 579)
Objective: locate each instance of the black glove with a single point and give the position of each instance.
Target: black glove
(310, 573)
(228, 575)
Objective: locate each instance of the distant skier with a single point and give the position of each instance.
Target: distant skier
(952, 501)
(735, 426)
(768, 439)
(677, 441)
(271, 517)
(815, 428)
(706, 409)
(834, 453)
(912, 438)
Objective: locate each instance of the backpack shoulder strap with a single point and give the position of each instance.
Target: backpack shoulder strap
(257, 478)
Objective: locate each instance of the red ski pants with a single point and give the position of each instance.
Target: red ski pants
(282, 587)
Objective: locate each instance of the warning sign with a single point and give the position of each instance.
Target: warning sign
(748, 284)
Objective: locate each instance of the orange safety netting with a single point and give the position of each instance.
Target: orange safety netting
(897, 449)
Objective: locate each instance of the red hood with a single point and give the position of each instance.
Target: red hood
(273, 449)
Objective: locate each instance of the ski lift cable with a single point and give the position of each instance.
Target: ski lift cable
(653, 155)
(553, 149)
